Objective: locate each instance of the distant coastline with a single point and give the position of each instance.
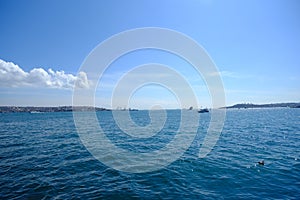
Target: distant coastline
(41, 109)
(270, 105)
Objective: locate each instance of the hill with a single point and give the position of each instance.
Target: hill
(271, 105)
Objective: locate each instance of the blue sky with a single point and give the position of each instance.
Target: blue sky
(254, 44)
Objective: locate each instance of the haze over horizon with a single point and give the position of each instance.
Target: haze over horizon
(254, 44)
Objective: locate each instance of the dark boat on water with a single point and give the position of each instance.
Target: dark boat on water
(204, 110)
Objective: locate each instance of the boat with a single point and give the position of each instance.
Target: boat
(204, 110)
(35, 112)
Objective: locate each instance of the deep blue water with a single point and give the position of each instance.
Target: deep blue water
(42, 157)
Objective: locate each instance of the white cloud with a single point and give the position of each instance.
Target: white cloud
(82, 80)
(11, 75)
(225, 74)
(234, 75)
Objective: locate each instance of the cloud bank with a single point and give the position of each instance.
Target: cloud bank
(11, 75)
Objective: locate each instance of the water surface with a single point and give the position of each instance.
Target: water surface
(42, 157)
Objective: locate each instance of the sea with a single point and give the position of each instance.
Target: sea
(42, 156)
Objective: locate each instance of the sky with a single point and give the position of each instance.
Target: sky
(254, 44)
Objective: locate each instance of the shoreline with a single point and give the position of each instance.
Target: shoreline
(42, 109)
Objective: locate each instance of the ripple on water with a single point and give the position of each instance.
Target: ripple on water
(42, 157)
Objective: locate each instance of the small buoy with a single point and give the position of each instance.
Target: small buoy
(261, 162)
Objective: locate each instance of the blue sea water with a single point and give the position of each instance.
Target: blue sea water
(42, 157)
